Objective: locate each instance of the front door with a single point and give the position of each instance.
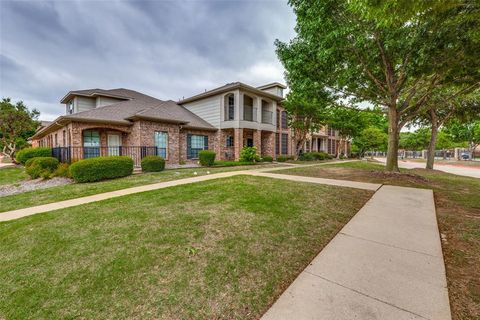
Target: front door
(114, 143)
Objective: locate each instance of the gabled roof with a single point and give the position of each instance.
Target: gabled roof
(138, 106)
(229, 87)
(271, 85)
(119, 93)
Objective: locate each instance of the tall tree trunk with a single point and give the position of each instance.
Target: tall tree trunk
(393, 136)
(431, 146)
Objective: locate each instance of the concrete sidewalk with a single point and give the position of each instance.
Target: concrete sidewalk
(386, 263)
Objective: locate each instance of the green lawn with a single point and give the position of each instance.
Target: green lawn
(457, 200)
(224, 248)
(11, 175)
(43, 196)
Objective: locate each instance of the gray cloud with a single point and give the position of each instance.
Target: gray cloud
(165, 49)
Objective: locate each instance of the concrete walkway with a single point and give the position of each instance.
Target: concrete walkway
(386, 263)
(19, 213)
(473, 172)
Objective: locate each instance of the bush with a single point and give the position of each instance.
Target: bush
(231, 163)
(101, 168)
(41, 167)
(62, 171)
(206, 158)
(310, 156)
(285, 158)
(29, 153)
(267, 158)
(249, 154)
(153, 164)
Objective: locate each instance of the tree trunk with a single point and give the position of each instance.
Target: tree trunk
(393, 136)
(431, 146)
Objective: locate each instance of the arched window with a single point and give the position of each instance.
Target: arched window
(229, 107)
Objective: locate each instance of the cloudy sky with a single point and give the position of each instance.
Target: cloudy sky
(161, 48)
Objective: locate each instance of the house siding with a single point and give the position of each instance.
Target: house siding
(208, 109)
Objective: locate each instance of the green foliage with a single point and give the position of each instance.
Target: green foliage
(153, 164)
(417, 140)
(101, 168)
(468, 131)
(231, 163)
(28, 153)
(63, 170)
(267, 158)
(206, 158)
(371, 138)
(311, 156)
(41, 167)
(284, 158)
(17, 123)
(249, 154)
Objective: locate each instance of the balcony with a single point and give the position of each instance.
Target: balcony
(267, 116)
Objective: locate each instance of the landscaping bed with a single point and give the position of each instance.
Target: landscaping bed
(457, 200)
(225, 248)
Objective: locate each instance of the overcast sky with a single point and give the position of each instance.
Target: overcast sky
(164, 49)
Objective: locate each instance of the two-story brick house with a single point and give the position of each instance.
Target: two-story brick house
(100, 122)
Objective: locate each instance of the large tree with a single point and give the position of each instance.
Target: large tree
(17, 123)
(349, 123)
(389, 53)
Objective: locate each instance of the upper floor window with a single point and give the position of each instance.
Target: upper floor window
(249, 112)
(284, 120)
(70, 107)
(230, 107)
(267, 114)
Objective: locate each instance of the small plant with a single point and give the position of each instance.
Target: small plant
(41, 167)
(249, 154)
(153, 164)
(267, 158)
(281, 158)
(28, 153)
(101, 168)
(62, 171)
(206, 158)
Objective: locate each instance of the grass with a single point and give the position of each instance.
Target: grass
(457, 200)
(453, 162)
(220, 249)
(76, 190)
(12, 175)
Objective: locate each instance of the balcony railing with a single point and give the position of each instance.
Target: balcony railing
(137, 153)
(249, 113)
(267, 116)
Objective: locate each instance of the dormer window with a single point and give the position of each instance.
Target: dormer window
(70, 107)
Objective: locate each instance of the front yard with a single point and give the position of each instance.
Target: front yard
(12, 175)
(76, 190)
(224, 248)
(457, 202)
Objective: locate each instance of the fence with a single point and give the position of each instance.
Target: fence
(137, 153)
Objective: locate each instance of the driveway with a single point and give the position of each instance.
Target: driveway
(472, 172)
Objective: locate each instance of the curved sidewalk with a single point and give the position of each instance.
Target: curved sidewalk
(386, 263)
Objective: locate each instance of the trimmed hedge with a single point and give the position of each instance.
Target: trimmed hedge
(206, 158)
(29, 153)
(284, 158)
(153, 164)
(267, 158)
(41, 167)
(310, 156)
(101, 168)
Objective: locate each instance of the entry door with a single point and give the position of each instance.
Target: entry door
(114, 144)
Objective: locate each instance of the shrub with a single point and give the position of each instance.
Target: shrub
(28, 153)
(41, 167)
(101, 168)
(231, 163)
(282, 158)
(308, 156)
(206, 158)
(153, 164)
(267, 158)
(62, 171)
(249, 154)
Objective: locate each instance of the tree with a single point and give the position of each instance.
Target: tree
(371, 138)
(466, 131)
(306, 114)
(417, 140)
(348, 122)
(17, 123)
(364, 51)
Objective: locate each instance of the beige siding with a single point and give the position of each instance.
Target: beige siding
(84, 104)
(105, 101)
(208, 109)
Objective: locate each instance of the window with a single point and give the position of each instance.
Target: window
(70, 107)
(248, 109)
(91, 143)
(284, 120)
(277, 143)
(195, 144)
(230, 107)
(278, 119)
(161, 140)
(229, 141)
(64, 136)
(56, 140)
(284, 143)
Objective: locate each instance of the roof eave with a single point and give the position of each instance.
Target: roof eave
(156, 119)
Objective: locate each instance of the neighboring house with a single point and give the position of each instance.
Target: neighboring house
(102, 122)
(326, 139)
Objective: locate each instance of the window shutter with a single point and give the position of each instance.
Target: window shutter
(205, 139)
(189, 146)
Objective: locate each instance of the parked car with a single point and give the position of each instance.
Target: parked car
(465, 156)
